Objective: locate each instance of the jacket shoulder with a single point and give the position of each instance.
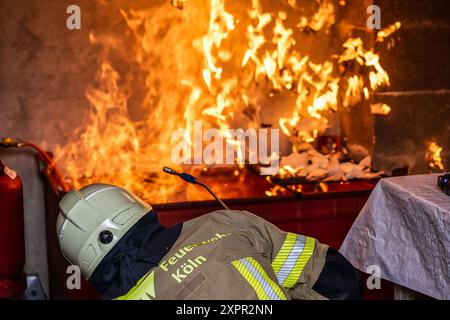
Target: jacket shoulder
(234, 216)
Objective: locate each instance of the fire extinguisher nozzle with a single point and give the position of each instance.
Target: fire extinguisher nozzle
(9, 143)
(169, 170)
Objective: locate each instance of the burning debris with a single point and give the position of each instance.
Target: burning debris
(388, 31)
(315, 166)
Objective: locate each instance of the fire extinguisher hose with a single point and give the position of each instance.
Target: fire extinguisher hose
(11, 143)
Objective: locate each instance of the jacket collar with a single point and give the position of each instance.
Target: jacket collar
(138, 251)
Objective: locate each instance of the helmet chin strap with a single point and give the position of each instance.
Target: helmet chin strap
(193, 180)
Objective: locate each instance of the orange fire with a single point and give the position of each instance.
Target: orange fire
(196, 66)
(434, 157)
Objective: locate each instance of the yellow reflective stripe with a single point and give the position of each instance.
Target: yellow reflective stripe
(284, 252)
(293, 276)
(272, 283)
(292, 258)
(143, 290)
(251, 280)
(265, 288)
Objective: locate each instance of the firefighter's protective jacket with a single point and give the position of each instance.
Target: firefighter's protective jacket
(234, 255)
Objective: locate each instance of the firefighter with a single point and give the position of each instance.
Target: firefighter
(116, 240)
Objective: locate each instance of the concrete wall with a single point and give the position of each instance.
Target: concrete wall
(418, 66)
(44, 69)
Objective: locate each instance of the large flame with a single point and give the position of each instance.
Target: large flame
(208, 62)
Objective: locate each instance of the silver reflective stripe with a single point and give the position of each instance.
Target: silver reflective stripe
(291, 260)
(266, 286)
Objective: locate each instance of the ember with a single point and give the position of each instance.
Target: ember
(434, 157)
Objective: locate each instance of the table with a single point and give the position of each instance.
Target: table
(404, 229)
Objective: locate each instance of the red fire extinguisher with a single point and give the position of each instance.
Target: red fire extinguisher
(12, 242)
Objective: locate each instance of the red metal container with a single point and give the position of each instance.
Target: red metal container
(12, 243)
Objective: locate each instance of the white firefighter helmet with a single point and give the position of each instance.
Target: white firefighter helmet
(93, 219)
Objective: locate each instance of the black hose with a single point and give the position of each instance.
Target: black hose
(193, 180)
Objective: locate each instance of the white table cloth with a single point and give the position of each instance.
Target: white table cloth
(404, 228)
